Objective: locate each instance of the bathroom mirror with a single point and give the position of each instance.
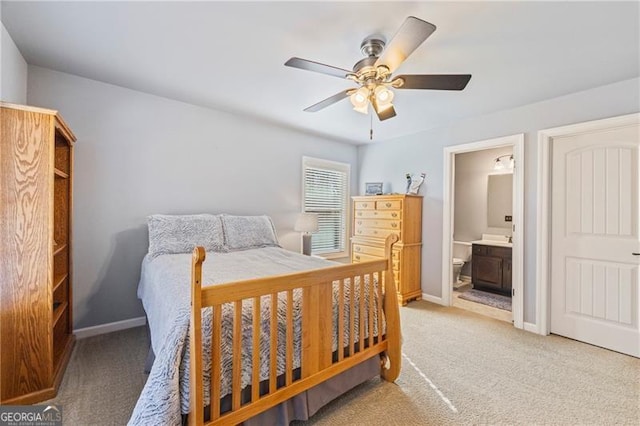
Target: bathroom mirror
(500, 200)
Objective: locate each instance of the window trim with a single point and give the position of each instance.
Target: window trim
(336, 166)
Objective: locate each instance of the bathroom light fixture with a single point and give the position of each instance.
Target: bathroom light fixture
(500, 161)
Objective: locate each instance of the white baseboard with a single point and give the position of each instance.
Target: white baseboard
(82, 333)
(532, 328)
(432, 299)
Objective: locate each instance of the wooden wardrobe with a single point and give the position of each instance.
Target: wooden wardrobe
(36, 324)
(375, 217)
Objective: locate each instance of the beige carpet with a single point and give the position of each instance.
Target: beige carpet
(104, 378)
(489, 372)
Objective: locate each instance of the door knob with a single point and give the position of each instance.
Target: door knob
(636, 254)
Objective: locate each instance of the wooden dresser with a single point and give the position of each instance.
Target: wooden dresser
(36, 327)
(375, 217)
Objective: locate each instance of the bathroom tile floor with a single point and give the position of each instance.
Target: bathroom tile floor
(479, 308)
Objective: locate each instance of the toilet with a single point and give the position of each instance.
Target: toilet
(461, 255)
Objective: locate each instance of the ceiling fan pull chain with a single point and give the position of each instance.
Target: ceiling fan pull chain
(371, 127)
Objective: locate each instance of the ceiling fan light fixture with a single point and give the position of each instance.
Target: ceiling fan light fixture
(360, 100)
(363, 109)
(384, 96)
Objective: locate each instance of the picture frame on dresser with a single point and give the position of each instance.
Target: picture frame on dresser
(373, 188)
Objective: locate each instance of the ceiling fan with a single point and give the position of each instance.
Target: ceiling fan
(373, 74)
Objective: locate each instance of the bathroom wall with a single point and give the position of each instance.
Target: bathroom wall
(472, 170)
(471, 183)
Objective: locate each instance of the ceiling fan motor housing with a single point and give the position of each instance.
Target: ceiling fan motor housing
(372, 45)
(365, 69)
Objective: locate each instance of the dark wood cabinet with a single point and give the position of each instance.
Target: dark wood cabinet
(491, 268)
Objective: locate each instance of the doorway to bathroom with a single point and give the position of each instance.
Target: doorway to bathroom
(483, 224)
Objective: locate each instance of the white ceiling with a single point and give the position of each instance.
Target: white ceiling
(230, 56)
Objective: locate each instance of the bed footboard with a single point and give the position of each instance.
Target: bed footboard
(318, 361)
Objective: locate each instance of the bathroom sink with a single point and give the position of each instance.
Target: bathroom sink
(494, 240)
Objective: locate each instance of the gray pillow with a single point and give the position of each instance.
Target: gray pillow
(247, 232)
(180, 234)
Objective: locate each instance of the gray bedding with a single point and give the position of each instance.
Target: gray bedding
(165, 293)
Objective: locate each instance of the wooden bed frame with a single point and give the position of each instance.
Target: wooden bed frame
(317, 364)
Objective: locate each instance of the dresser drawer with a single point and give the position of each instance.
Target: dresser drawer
(378, 214)
(373, 251)
(365, 205)
(376, 233)
(378, 223)
(389, 205)
(359, 257)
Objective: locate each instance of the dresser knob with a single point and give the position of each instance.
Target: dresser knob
(394, 225)
(357, 257)
(364, 205)
(375, 232)
(359, 213)
(359, 222)
(358, 249)
(388, 204)
(359, 231)
(394, 214)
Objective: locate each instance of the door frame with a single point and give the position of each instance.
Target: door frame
(543, 239)
(517, 143)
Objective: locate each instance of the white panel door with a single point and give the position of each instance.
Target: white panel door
(594, 235)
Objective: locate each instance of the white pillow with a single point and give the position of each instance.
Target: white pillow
(247, 232)
(170, 234)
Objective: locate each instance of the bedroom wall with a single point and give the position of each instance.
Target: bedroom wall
(423, 152)
(13, 70)
(139, 154)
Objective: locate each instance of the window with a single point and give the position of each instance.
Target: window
(325, 191)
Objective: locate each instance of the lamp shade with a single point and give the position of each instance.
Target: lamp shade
(306, 222)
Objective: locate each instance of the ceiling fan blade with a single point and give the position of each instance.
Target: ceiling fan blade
(383, 114)
(305, 64)
(434, 81)
(411, 34)
(329, 101)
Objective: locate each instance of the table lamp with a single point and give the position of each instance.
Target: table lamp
(306, 223)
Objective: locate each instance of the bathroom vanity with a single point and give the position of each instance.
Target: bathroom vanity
(491, 265)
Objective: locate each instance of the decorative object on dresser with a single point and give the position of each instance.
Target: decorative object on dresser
(375, 217)
(491, 266)
(306, 223)
(36, 171)
(414, 182)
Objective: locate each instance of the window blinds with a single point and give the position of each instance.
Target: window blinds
(325, 193)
